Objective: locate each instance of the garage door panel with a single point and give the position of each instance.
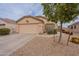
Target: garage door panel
(33, 28)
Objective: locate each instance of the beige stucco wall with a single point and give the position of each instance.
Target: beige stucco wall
(45, 20)
(1, 22)
(33, 26)
(75, 30)
(8, 25)
(30, 20)
(12, 27)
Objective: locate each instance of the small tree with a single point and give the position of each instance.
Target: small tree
(60, 12)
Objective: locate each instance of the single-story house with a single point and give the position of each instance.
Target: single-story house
(8, 23)
(31, 24)
(27, 24)
(74, 27)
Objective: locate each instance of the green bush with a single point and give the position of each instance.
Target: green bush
(50, 29)
(54, 31)
(75, 40)
(4, 31)
(49, 32)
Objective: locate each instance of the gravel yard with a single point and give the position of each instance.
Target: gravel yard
(9, 43)
(45, 45)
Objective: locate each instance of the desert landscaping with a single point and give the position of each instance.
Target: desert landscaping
(45, 29)
(47, 45)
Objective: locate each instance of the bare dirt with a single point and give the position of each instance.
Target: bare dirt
(48, 46)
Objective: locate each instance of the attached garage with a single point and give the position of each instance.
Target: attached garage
(30, 28)
(29, 24)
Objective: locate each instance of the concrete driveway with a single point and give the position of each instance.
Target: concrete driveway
(10, 43)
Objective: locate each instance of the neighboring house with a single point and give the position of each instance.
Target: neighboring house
(7, 23)
(63, 28)
(74, 27)
(31, 24)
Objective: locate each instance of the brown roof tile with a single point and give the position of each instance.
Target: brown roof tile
(41, 17)
(74, 24)
(28, 17)
(8, 20)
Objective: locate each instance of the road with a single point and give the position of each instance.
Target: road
(10, 43)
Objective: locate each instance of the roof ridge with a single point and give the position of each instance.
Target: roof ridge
(1, 18)
(74, 23)
(8, 20)
(42, 17)
(29, 16)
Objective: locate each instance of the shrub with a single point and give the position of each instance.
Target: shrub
(63, 31)
(54, 31)
(50, 29)
(67, 32)
(49, 32)
(75, 40)
(4, 31)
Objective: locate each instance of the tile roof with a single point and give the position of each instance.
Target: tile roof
(41, 17)
(31, 17)
(74, 24)
(8, 20)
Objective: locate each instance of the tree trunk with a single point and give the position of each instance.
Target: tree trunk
(60, 32)
(68, 39)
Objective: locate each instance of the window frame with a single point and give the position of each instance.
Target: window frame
(2, 24)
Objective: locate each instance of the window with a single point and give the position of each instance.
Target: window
(74, 26)
(71, 27)
(2, 24)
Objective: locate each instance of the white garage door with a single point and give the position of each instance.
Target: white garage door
(30, 28)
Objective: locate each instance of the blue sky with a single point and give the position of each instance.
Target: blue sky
(16, 10)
